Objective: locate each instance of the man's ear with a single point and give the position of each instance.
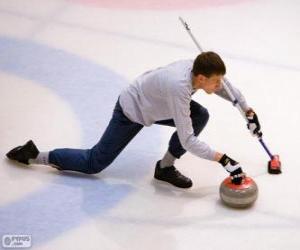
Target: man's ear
(200, 77)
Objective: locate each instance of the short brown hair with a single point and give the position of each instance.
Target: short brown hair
(208, 64)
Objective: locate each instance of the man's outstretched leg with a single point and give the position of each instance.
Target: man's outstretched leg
(117, 135)
(165, 169)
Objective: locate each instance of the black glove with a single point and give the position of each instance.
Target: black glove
(233, 168)
(253, 123)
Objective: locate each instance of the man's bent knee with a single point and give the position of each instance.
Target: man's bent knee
(200, 120)
(205, 115)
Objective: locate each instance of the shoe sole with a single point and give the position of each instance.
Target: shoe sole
(165, 183)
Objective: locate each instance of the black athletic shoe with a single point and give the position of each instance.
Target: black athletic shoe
(172, 175)
(23, 153)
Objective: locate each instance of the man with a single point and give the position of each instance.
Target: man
(160, 96)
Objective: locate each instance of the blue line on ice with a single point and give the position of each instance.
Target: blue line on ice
(67, 201)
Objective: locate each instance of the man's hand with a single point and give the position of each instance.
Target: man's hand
(233, 168)
(237, 176)
(253, 123)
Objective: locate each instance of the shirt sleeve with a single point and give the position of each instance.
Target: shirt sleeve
(179, 103)
(237, 93)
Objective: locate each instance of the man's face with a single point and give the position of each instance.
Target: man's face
(212, 84)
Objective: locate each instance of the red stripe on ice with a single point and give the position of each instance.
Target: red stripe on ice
(158, 4)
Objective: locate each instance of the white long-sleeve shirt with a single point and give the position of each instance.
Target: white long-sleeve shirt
(165, 93)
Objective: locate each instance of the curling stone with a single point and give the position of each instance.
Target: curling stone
(238, 196)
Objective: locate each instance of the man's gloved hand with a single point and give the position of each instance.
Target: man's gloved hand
(234, 168)
(253, 123)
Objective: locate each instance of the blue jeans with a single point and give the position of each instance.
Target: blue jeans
(119, 132)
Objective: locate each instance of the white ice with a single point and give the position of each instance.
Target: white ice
(62, 66)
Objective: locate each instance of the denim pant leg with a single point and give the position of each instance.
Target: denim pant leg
(118, 134)
(199, 116)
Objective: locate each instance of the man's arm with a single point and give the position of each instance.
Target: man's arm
(253, 122)
(179, 103)
(237, 93)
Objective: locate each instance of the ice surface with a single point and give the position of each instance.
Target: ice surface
(62, 66)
